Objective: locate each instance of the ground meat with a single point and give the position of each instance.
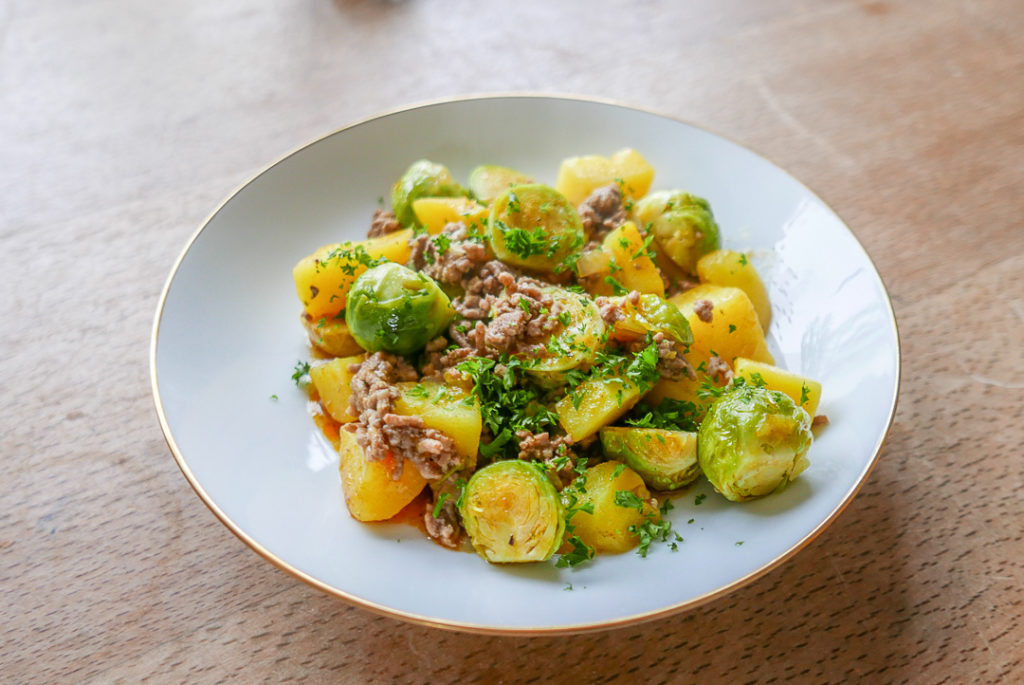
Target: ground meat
(704, 310)
(719, 369)
(450, 257)
(446, 527)
(380, 432)
(383, 222)
(671, 362)
(541, 446)
(678, 285)
(819, 420)
(602, 211)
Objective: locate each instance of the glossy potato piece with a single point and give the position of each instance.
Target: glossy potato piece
(323, 279)
(333, 383)
(371, 494)
(442, 408)
(795, 386)
(594, 404)
(637, 271)
(580, 176)
(434, 213)
(730, 268)
(607, 528)
(734, 330)
(331, 336)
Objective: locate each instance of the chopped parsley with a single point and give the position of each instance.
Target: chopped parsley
(301, 370)
(743, 259)
(628, 499)
(699, 498)
(671, 414)
(617, 288)
(805, 394)
(439, 504)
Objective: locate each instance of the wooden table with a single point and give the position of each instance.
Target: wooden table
(123, 124)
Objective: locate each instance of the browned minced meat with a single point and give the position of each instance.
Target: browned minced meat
(446, 527)
(819, 420)
(704, 310)
(671, 362)
(383, 222)
(611, 308)
(720, 369)
(541, 446)
(379, 431)
(602, 211)
(460, 259)
(678, 285)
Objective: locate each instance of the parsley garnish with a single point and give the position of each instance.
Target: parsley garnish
(699, 498)
(743, 259)
(805, 394)
(439, 504)
(628, 500)
(617, 288)
(301, 369)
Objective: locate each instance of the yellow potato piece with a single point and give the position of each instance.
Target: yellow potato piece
(580, 176)
(598, 402)
(434, 213)
(637, 271)
(802, 390)
(734, 330)
(333, 383)
(442, 408)
(370, 492)
(727, 267)
(323, 279)
(607, 528)
(331, 336)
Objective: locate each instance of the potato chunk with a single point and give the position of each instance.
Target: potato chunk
(595, 404)
(442, 408)
(806, 393)
(437, 212)
(580, 176)
(607, 528)
(370, 492)
(333, 382)
(726, 267)
(732, 331)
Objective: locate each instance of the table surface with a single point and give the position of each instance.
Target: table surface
(124, 123)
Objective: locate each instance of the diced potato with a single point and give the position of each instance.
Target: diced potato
(333, 382)
(636, 270)
(684, 390)
(804, 391)
(607, 528)
(331, 336)
(726, 267)
(434, 213)
(370, 492)
(594, 404)
(442, 408)
(734, 330)
(580, 176)
(322, 279)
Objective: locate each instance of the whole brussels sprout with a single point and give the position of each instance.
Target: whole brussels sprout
(753, 442)
(422, 179)
(683, 226)
(397, 310)
(512, 512)
(533, 226)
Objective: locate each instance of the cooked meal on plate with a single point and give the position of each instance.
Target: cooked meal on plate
(534, 370)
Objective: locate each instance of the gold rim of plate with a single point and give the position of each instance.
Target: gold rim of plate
(482, 628)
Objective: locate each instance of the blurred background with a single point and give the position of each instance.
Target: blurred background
(123, 123)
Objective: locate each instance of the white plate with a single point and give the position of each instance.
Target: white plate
(227, 335)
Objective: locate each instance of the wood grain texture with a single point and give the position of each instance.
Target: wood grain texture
(122, 124)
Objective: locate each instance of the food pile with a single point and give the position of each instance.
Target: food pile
(528, 363)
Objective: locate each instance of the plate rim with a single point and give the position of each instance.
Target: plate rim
(483, 628)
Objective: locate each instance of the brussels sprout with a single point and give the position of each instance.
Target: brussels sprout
(752, 442)
(488, 181)
(683, 226)
(572, 345)
(512, 512)
(651, 314)
(423, 179)
(395, 309)
(535, 227)
(665, 459)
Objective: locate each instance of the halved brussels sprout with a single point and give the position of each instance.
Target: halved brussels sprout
(512, 512)
(422, 179)
(488, 181)
(651, 314)
(683, 226)
(535, 227)
(665, 459)
(753, 442)
(395, 309)
(573, 345)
